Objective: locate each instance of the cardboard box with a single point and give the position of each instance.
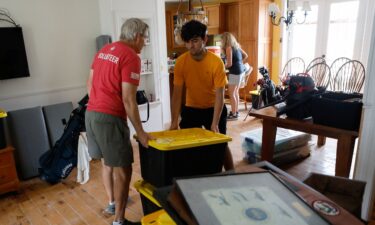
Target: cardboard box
(345, 192)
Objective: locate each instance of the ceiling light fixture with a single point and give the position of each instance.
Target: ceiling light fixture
(193, 13)
(274, 11)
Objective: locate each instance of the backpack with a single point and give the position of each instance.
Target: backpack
(58, 162)
(298, 95)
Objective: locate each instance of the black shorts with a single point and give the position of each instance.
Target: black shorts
(194, 117)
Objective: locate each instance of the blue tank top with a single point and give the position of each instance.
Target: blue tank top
(237, 64)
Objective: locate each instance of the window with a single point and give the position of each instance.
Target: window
(330, 30)
(341, 30)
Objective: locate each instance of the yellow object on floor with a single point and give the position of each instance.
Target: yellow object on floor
(3, 114)
(158, 218)
(146, 190)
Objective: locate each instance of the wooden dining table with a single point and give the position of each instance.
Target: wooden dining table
(345, 138)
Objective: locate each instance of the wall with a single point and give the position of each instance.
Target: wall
(60, 44)
(365, 167)
(111, 9)
(276, 51)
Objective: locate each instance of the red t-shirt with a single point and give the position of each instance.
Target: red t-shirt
(113, 64)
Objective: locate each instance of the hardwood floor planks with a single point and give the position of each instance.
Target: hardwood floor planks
(70, 203)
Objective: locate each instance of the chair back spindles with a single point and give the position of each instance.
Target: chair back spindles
(316, 61)
(293, 66)
(350, 77)
(320, 73)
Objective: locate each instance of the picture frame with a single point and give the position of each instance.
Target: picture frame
(247, 198)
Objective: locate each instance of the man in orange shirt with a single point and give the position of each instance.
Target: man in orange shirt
(202, 74)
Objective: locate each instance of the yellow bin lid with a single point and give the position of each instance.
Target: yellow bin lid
(186, 138)
(3, 114)
(159, 217)
(146, 190)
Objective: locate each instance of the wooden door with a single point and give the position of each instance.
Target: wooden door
(248, 36)
(265, 36)
(232, 18)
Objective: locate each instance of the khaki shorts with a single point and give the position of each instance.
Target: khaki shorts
(109, 138)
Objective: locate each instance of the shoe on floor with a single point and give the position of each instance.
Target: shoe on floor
(232, 116)
(110, 209)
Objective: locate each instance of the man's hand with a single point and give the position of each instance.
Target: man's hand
(174, 126)
(215, 128)
(143, 138)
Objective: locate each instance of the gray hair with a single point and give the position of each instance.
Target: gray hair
(131, 28)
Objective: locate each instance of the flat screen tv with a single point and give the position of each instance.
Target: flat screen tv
(13, 59)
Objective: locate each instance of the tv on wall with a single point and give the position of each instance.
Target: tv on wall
(13, 59)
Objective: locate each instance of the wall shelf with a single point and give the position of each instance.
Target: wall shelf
(146, 73)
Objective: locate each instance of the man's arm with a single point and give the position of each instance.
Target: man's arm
(176, 106)
(129, 100)
(219, 103)
(89, 82)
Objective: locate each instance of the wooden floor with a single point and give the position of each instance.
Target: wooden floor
(39, 203)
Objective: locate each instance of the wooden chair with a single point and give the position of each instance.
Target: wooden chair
(292, 66)
(315, 61)
(320, 73)
(243, 89)
(335, 66)
(350, 77)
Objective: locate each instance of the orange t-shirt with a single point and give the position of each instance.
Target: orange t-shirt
(201, 78)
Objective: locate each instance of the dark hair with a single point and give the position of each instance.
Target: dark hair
(193, 29)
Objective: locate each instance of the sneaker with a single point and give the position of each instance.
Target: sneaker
(232, 116)
(110, 209)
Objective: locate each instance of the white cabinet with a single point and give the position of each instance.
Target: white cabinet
(150, 81)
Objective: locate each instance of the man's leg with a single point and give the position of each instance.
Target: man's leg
(228, 159)
(107, 176)
(121, 190)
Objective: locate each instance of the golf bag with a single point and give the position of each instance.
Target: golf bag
(269, 93)
(58, 162)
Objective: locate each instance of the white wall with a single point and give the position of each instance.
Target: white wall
(365, 167)
(60, 44)
(110, 9)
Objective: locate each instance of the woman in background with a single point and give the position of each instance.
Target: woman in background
(235, 58)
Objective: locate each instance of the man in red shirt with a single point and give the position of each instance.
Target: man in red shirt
(112, 86)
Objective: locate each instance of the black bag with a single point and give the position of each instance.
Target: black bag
(58, 162)
(300, 91)
(142, 99)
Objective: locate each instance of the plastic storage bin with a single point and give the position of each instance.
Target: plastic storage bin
(3, 143)
(181, 153)
(338, 109)
(290, 145)
(149, 203)
(158, 218)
